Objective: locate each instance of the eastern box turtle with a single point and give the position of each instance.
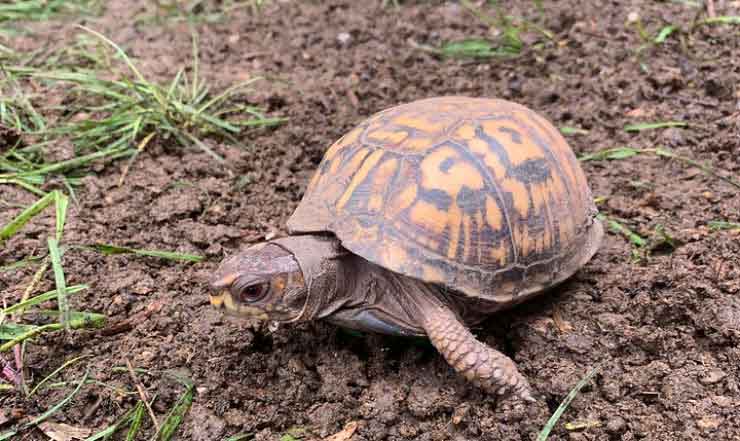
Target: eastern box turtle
(423, 220)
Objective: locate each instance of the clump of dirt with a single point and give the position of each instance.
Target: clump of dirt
(664, 329)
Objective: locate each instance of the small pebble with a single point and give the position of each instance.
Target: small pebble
(714, 376)
(344, 37)
(616, 425)
(709, 422)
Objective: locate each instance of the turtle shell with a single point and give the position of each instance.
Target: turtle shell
(482, 196)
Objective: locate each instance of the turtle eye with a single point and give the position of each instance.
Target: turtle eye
(254, 293)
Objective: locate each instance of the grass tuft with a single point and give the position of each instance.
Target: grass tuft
(135, 111)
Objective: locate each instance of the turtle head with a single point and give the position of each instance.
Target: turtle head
(263, 281)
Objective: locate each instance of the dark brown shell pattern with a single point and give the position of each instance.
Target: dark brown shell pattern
(483, 196)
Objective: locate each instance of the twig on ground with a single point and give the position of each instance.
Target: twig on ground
(128, 323)
(711, 12)
(142, 393)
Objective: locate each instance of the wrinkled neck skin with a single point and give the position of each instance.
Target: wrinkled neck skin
(319, 259)
(351, 292)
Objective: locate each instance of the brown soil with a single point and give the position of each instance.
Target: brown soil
(665, 330)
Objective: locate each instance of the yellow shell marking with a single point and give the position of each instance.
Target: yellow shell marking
(517, 153)
(359, 177)
(418, 123)
(375, 202)
(481, 148)
(402, 200)
(458, 175)
(428, 217)
(494, 217)
(454, 220)
(465, 132)
(365, 234)
(498, 254)
(519, 194)
(381, 136)
(466, 237)
(393, 252)
(432, 273)
(382, 176)
(418, 144)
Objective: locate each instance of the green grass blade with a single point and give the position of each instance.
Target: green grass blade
(656, 125)
(573, 131)
(115, 427)
(664, 33)
(240, 437)
(225, 94)
(61, 202)
(73, 163)
(200, 144)
(473, 48)
(11, 331)
(20, 264)
(564, 405)
(23, 184)
(618, 228)
(722, 19)
(61, 285)
(41, 298)
(80, 320)
(724, 225)
(16, 224)
(136, 419)
(120, 52)
(55, 372)
(113, 249)
(176, 415)
(614, 153)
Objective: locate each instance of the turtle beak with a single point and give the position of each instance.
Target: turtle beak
(221, 286)
(217, 300)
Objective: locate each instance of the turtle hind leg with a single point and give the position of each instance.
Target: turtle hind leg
(479, 363)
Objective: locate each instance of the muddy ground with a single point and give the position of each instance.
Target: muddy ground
(665, 329)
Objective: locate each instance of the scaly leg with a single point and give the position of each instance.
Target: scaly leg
(484, 366)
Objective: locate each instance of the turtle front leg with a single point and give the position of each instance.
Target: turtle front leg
(484, 366)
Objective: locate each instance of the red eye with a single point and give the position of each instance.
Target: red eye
(253, 293)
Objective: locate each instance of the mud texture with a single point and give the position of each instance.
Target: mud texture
(665, 329)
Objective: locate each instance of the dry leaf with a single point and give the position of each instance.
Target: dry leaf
(345, 433)
(563, 325)
(64, 432)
